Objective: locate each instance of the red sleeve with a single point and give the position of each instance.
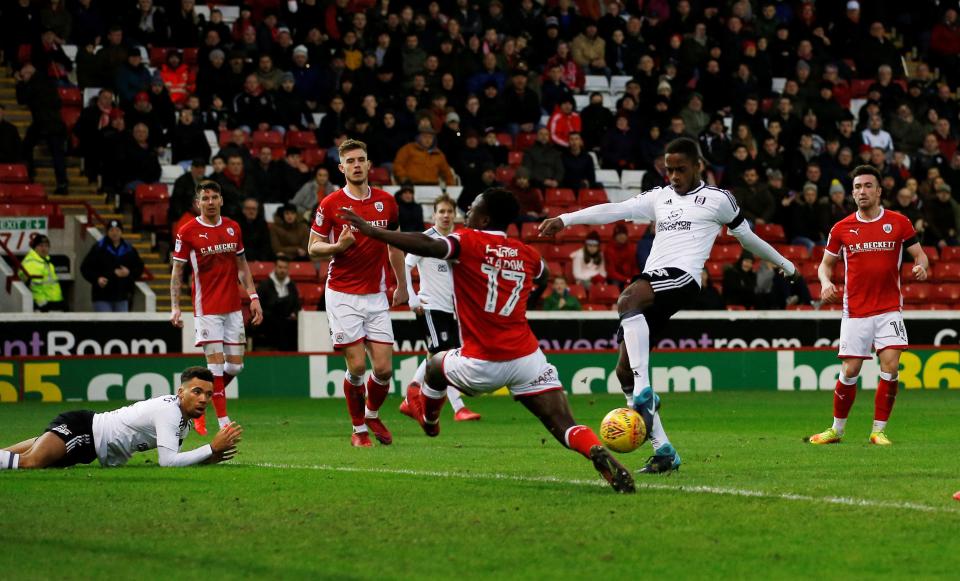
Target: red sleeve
(394, 223)
(181, 245)
(833, 240)
(322, 223)
(909, 233)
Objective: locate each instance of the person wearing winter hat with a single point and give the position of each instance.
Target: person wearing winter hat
(112, 267)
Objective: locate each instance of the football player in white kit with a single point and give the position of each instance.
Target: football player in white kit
(434, 306)
(689, 215)
(80, 437)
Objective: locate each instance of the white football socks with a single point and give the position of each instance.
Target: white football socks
(878, 426)
(9, 460)
(839, 424)
(636, 338)
(455, 398)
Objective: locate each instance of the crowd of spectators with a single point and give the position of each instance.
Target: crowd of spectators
(784, 97)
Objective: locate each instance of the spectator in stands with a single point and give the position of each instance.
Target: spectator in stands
(739, 162)
(907, 204)
(235, 185)
(292, 110)
(554, 90)
(421, 162)
(945, 45)
(875, 136)
(928, 156)
(951, 174)
(289, 234)
(740, 282)
(619, 145)
(254, 108)
(448, 140)
(281, 304)
(310, 194)
(48, 55)
(906, 131)
(112, 267)
(411, 213)
(268, 75)
(532, 208)
(588, 264)
(563, 122)
(754, 198)
(184, 190)
(334, 122)
(801, 217)
(942, 217)
(589, 50)
(837, 207)
(148, 25)
(595, 120)
(255, 231)
(186, 25)
(40, 275)
(94, 121)
(132, 77)
(140, 162)
(177, 77)
(544, 161)
(620, 258)
(694, 117)
(945, 137)
(144, 112)
(287, 176)
(187, 140)
(708, 299)
(521, 104)
(38, 92)
(560, 298)
(259, 171)
(774, 291)
(11, 149)
(578, 168)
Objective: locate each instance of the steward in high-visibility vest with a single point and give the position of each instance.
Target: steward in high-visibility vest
(42, 278)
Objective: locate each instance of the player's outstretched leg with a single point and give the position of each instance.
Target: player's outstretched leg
(45, 451)
(461, 413)
(413, 391)
(553, 410)
(665, 457)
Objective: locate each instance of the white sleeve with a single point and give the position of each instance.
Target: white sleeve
(173, 459)
(758, 247)
(413, 299)
(637, 208)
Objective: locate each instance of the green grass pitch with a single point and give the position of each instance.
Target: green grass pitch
(500, 499)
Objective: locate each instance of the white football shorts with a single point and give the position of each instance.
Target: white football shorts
(527, 375)
(885, 331)
(355, 318)
(226, 328)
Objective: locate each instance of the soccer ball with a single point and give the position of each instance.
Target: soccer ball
(623, 430)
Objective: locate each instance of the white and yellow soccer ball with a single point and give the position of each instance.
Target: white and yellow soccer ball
(623, 430)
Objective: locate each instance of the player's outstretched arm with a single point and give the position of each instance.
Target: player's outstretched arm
(921, 263)
(411, 242)
(749, 240)
(599, 214)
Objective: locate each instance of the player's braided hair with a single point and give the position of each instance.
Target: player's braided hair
(502, 207)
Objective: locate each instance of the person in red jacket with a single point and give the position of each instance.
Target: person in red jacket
(178, 78)
(620, 256)
(563, 122)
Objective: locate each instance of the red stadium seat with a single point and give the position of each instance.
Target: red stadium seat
(725, 252)
(950, 253)
(947, 271)
(313, 156)
(70, 97)
(190, 56)
(592, 196)
(505, 140)
(816, 254)
(906, 272)
(931, 252)
(559, 197)
(24, 53)
(860, 87)
(14, 173)
(578, 291)
(23, 193)
(814, 288)
(158, 56)
(505, 174)
(772, 233)
(916, 292)
(260, 269)
(560, 252)
(311, 293)
(529, 232)
(515, 158)
(146, 193)
(831, 307)
(636, 231)
(792, 251)
(715, 269)
(379, 176)
(525, 141)
(595, 307)
(576, 233)
(301, 139)
(70, 116)
(512, 230)
(799, 307)
(270, 139)
(153, 215)
(604, 294)
(303, 272)
(946, 293)
(736, 308)
(555, 267)
(725, 237)
(809, 271)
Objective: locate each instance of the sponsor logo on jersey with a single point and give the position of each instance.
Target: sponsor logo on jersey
(855, 231)
(178, 245)
(442, 267)
(203, 235)
(672, 226)
(502, 251)
(888, 228)
(219, 248)
(883, 246)
(230, 231)
(378, 206)
(319, 219)
(675, 215)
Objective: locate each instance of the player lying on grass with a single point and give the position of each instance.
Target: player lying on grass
(80, 437)
(492, 279)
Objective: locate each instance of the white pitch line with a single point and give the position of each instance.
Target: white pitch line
(687, 489)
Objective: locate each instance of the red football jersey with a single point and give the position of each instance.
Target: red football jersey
(871, 251)
(212, 251)
(492, 279)
(362, 268)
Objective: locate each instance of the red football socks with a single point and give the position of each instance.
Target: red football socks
(376, 393)
(355, 397)
(432, 408)
(219, 396)
(843, 398)
(581, 439)
(884, 399)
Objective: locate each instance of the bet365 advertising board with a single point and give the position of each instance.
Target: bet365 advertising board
(321, 376)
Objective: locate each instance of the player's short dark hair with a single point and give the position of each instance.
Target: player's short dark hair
(196, 371)
(207, 185)
(866, 170)
(502, 207)
(444, 199)
(684, 146)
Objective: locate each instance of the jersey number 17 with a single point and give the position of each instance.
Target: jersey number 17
(493, 274)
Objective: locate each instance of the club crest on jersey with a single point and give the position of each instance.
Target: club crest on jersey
(378, 206)
(319, 219)
(888, 228)
(338, 339)
(230, 231)
(178, 245)
(700, 200)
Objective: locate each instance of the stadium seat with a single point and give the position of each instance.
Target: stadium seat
(560, 252)
(604, 230)
(814, 288)
(950, 253)
(303, 272)
(146, 193)
(636, 231)
(576, 233)
(525, 141)
(578, 291)
(512, 230)
(158, 55)
(70, 97)
(70, 116)
(931, 252)
(725, 252)
(609, 178)
(170, 172)
(14, 173)
(271, 139)
(946, 293)
(715, 269)
(260, 269)
(153, 215)
(23, 193)
(310, 293)
(592, 196)
(632, 178)
(313, 156)
(505, 140)
(301, 139)
(799, 307)
(190, 56)
(618, 83)
(736, 308)
(529, 232)
(725, 237)
(906, 272)
(555, 267)
(772, 233)
(505, 174)
(947, 271)
(916, 292)
(603, 294)
(817, 253)
(559, 197)
(860, 87)
(598, 83)
(793, 252)
(379, 176)
(515, 158)
(809, 271)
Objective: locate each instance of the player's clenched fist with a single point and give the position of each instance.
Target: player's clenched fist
(920, 272)
(828, 293)
(550, 226)
(175, 317)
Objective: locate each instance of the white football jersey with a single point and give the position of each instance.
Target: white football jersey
(436, 279)
(686, 225)
(143, 426)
